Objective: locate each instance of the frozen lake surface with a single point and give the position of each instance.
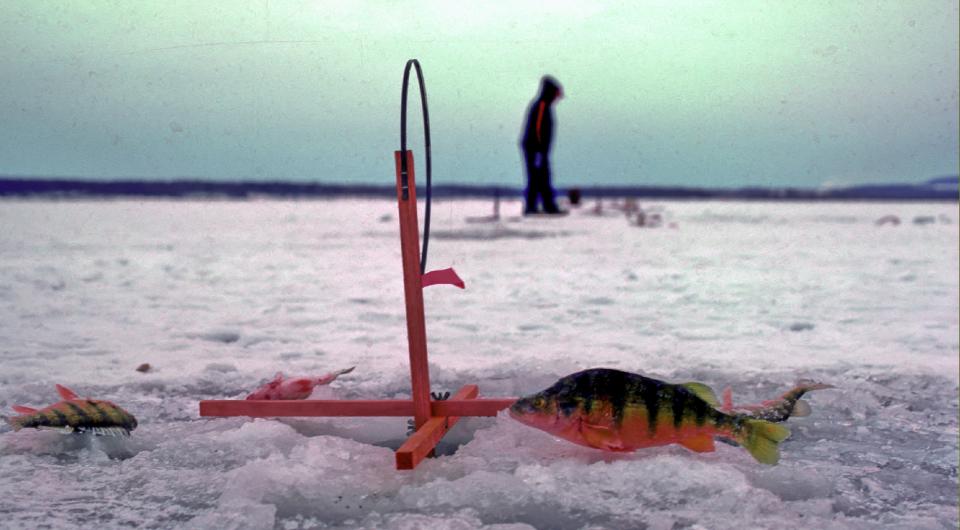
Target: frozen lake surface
(218, 296)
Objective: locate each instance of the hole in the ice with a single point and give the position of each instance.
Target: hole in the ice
(386, 432)
(444, 448)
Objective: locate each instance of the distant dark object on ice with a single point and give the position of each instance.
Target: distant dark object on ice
(574, 195)
(598, 207)
(921, 220)
(144, 368)
(648, 220)
(651, 217)
(489, 218)
(892, 220)
(224, 336)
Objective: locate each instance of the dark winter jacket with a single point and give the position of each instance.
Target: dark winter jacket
(538, 132)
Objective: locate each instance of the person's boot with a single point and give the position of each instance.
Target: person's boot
(553, 209)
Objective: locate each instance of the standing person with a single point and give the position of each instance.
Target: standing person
(537, 136)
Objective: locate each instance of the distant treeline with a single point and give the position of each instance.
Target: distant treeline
(940, 189)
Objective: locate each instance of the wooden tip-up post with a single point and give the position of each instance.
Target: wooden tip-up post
(412, 287)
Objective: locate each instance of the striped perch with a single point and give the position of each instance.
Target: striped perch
(76, 415)
(620, 411)
(777, 410)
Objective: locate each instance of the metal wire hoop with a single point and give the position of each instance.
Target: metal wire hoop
(426, 146)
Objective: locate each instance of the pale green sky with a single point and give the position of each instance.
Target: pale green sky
(703, 93)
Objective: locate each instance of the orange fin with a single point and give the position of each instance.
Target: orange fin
(601, 437)
(66, 393)
(702, 443)
(24, 410)
(727, 404)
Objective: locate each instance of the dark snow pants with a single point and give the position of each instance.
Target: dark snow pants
(538, 183)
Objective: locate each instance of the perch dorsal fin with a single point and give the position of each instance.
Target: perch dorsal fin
(66, 393)
(703, 392)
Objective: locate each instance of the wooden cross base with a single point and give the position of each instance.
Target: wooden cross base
(444, 415)
(432, 418)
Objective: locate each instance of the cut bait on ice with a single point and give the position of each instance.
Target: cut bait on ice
(294, 387)
(76, 415)
(780, 409)
(620, 411)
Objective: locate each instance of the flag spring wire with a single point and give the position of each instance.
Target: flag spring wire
(426, 147)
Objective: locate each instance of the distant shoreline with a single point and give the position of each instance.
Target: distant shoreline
(939, 189)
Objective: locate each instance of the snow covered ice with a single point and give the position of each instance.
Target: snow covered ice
(218, 296)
